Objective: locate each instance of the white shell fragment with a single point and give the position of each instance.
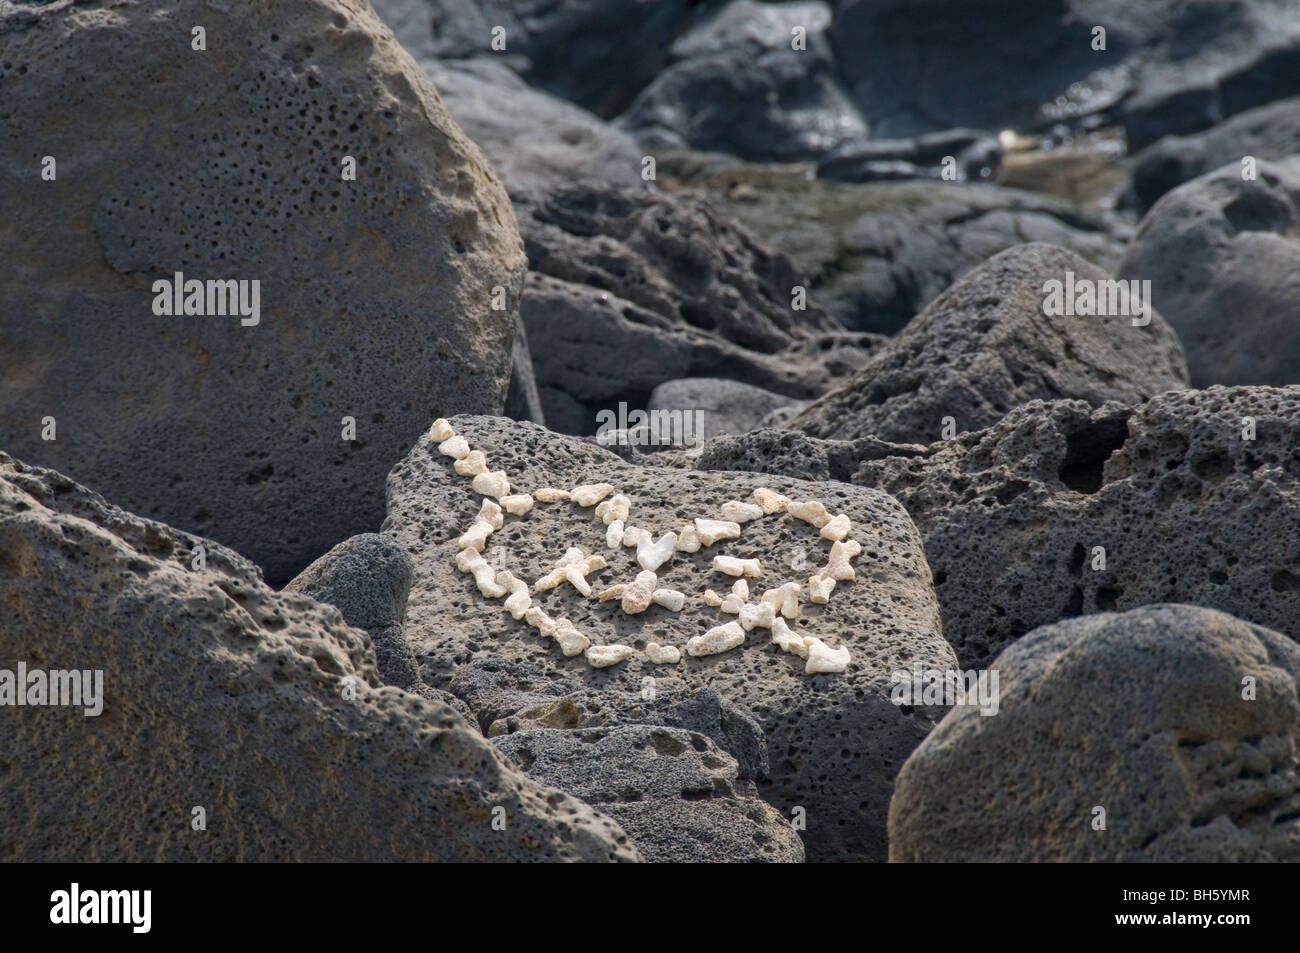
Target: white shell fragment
(574, 566)
(823, 658)
(784, 599)
(492, 484)
(519, 601)
(476, 536)
(637, 594)
(614, 535)
(688, 541)
(712, 531)
(820, 587)
(589, 494)
(651, 555)
(603, 656)
(472, 464)
(549, 494)
(517, 504)
(441, 430)
(617, 507)
(786, 639)
(454, 447)
(739, 512)
(719, 639)
(810, 512)
(770, 500)
(663, 654)
(472, 561)
(571, 641)
(736, 567)
(841, 553)
(837, 528)
(670, 599)
(711, 598)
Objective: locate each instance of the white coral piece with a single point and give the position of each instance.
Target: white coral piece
(454, 447)
(711, 598)
(441, 430)
(787, 640)
(632, 536)
(770, 500)
(663, 654)
(810, 512)
(837, 528)
(820, 587)
(739, 512)
(760, 615)
(495, 484)
(638, 593)
(736, 567)
(688, 541)
(712, 531)
(574, 566)
(617, 507)
(651, 555)
(517, 504)
(719, 639)
(571, 641)
(589, 494)
(613, 592)
(476, 536)
(490, 513)
(519, 601)
(472, 561)
(549, 494)
(614, 535)
(472, 464)
(838, 567)
(670, 599)
(603, 656)
(824, 659)
(784, 599)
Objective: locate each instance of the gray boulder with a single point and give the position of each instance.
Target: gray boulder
(726, 406)
(1165, 733)
(233, 171)
(263, 709)
(736, 84)
(672, 790)
(1223, 258)
(987, 345)
(826, 734)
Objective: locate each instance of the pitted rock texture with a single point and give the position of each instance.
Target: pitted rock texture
(221, 693)
(232, 169)
(736, 84)
(1223, 258)
(704, 712)
(1185, 509)
(726, 406)
(834, 741)
(629, 289)
(673, 791)
(876, 253)
(1140, 713)
(986, 346)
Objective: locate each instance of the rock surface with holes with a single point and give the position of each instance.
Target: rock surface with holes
(985, 346)
(629, 289)
(1223, 258)
(826, 734)
(1142, 714)
(264, 708)
(234, 172)
(1012, 516)
(673, 791)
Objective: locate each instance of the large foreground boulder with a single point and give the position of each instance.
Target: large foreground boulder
(237, 724)
(991, 343)
(834, 740)
(1166, 733)
(374, 294)
(1222, 253)
(1063, 509)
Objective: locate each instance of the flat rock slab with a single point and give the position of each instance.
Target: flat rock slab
(265, 709)
(1140, 721)
(834, 740)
